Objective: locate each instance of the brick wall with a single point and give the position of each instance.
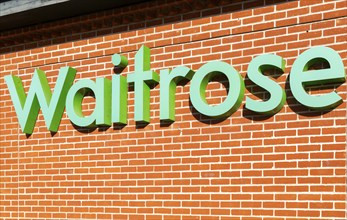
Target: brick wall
(291, 165)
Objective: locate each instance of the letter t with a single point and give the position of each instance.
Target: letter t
(142, 79)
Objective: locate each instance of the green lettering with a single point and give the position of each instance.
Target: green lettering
(301, 77)
(39, 95)
(102, 112)
(198, 87)
(119, 92)
(255, 71)
(142, 79)
(168, 84)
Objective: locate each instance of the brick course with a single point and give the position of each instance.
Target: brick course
(291, 165)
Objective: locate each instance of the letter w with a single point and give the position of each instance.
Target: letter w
(39, 95)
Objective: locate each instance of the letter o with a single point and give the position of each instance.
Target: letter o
(198, 87)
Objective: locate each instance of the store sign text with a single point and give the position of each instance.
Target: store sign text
(111, 96)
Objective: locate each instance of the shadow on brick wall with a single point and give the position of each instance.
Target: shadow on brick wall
(124, 19)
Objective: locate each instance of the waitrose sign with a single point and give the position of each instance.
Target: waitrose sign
(111, 96)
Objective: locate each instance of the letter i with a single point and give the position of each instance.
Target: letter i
(119, 92)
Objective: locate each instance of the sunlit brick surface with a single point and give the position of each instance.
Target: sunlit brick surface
(291, 165)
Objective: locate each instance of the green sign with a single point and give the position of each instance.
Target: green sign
(111, 96)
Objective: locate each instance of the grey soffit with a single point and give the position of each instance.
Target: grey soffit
(20, 13)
